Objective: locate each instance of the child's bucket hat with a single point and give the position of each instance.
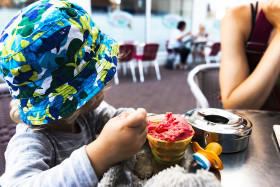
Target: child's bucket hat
(54, 59)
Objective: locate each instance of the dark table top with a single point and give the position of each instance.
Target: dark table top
(257, 165)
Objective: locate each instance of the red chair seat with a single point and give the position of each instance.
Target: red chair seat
(201, 54)
(138, 57)
(127, 52)
(149, 54)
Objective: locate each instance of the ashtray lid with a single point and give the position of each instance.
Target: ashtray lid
(218, 121)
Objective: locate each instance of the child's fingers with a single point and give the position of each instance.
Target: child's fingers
(136, 119)
(144, 132)
(140, 128)
(143, 135)
(124, 115)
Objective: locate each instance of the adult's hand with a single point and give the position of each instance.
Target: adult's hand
(271, 9)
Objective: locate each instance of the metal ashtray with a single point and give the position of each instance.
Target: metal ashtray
(231, 130)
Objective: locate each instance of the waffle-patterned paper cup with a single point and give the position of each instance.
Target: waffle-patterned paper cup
(166, 152)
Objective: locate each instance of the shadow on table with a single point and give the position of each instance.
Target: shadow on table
(277, 146)
(234, 160)
(146, 166)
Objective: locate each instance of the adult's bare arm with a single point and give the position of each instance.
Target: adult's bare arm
(183, 36)
(239, 89)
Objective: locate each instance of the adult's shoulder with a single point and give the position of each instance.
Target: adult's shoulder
(238, 19)
(176, 31)
(241, 14)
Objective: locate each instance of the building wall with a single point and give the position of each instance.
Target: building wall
(195, 9)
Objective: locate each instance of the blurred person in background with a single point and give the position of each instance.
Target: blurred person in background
(202, 35)
(249, 74)
(199, 43)
(177, 42)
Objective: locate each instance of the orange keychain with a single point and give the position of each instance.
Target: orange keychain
(209, 157)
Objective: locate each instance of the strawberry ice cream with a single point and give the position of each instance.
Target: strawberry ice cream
(173, 127)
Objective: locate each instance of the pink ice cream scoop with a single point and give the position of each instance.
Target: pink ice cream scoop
(173, 127)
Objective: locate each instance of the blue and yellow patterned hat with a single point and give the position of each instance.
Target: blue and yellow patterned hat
(54, 59)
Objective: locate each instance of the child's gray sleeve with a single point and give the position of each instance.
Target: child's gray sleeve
(108, 111)
(29, 163)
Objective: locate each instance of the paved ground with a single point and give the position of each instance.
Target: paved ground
(170, 94)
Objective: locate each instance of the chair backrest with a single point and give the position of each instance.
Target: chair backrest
(2, 157)
(126, 52)
(7, 126)
(215, 49)
(150, 51)
(166, 45)
(1, 80)
(203, 81)
(169, 51)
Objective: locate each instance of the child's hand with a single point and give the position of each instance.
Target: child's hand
(124, 135)
(121, 138)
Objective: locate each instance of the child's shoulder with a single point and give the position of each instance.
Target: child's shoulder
(23, 128)
(27, 134)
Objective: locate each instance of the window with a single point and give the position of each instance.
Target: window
(104, 14)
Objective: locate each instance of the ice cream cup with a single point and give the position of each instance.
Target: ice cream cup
(166, 152)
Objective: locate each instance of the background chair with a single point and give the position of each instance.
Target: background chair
(198, 54)
(207, 53)
(149, 55)
(172, 56)
(126, 56)
(203, 81)
(7, 126)
(214, 54)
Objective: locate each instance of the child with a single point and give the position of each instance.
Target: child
(57, 62)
